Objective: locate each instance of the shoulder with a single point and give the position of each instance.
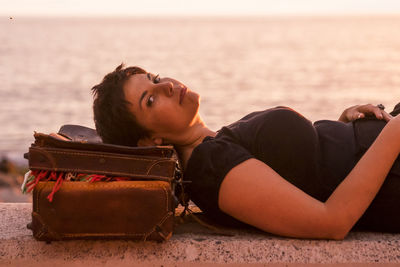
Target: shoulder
(215, 157)
(209, 163)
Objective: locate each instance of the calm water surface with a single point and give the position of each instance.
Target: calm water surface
(318, 66)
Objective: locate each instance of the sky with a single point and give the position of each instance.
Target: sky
(195, 7)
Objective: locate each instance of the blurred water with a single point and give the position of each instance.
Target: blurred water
(316, 65)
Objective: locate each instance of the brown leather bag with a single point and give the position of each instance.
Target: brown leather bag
(136, 202)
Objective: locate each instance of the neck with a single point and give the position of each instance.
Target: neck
(196, 136)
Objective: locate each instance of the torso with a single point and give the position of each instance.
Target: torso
(281, 138)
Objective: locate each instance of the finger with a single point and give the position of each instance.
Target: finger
(378, 113)
(358, 115)
(386, 116)
(368, 109)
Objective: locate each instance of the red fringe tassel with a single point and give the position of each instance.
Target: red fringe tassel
(52, 176)
(56, 187)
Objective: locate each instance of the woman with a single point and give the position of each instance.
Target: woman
(272, 169)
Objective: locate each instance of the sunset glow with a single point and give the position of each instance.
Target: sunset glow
(192, 7)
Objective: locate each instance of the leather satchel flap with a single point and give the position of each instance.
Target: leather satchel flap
(131, 209)
(45, 140)
(149, 163)
(80, 161)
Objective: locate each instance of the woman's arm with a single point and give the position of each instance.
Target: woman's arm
(360, 111)
(255, 194)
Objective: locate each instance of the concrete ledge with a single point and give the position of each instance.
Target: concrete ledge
(191, 244)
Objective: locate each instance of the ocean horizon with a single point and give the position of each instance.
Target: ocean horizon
(317, 65)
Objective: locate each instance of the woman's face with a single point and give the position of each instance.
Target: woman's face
(163, 106)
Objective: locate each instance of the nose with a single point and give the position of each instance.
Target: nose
(166, 87)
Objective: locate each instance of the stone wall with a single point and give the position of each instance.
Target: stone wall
(191, 245)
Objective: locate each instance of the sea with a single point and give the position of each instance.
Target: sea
(316, 65)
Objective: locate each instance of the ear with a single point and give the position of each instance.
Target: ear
(148, 141)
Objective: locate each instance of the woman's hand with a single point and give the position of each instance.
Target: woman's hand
(361, 111)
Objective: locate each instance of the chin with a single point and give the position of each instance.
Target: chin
(193, 95)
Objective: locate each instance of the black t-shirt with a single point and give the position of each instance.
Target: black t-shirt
(314, 158)
(280, 137)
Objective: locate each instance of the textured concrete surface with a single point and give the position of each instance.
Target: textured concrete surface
(191, 245)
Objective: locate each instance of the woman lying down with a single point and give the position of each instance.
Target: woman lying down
(272, 169)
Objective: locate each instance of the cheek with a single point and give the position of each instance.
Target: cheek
(192, 108)
(175, 120)
(172, 118)
(168, 120)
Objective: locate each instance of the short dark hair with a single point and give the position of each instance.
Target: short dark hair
(114, 122)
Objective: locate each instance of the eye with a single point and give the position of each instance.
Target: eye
(157, 79)
(150, 101)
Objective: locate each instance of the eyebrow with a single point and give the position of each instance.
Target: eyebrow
(144, 93)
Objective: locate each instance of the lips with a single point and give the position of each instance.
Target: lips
(182, 95)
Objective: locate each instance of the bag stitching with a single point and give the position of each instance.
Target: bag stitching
(96, 154)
